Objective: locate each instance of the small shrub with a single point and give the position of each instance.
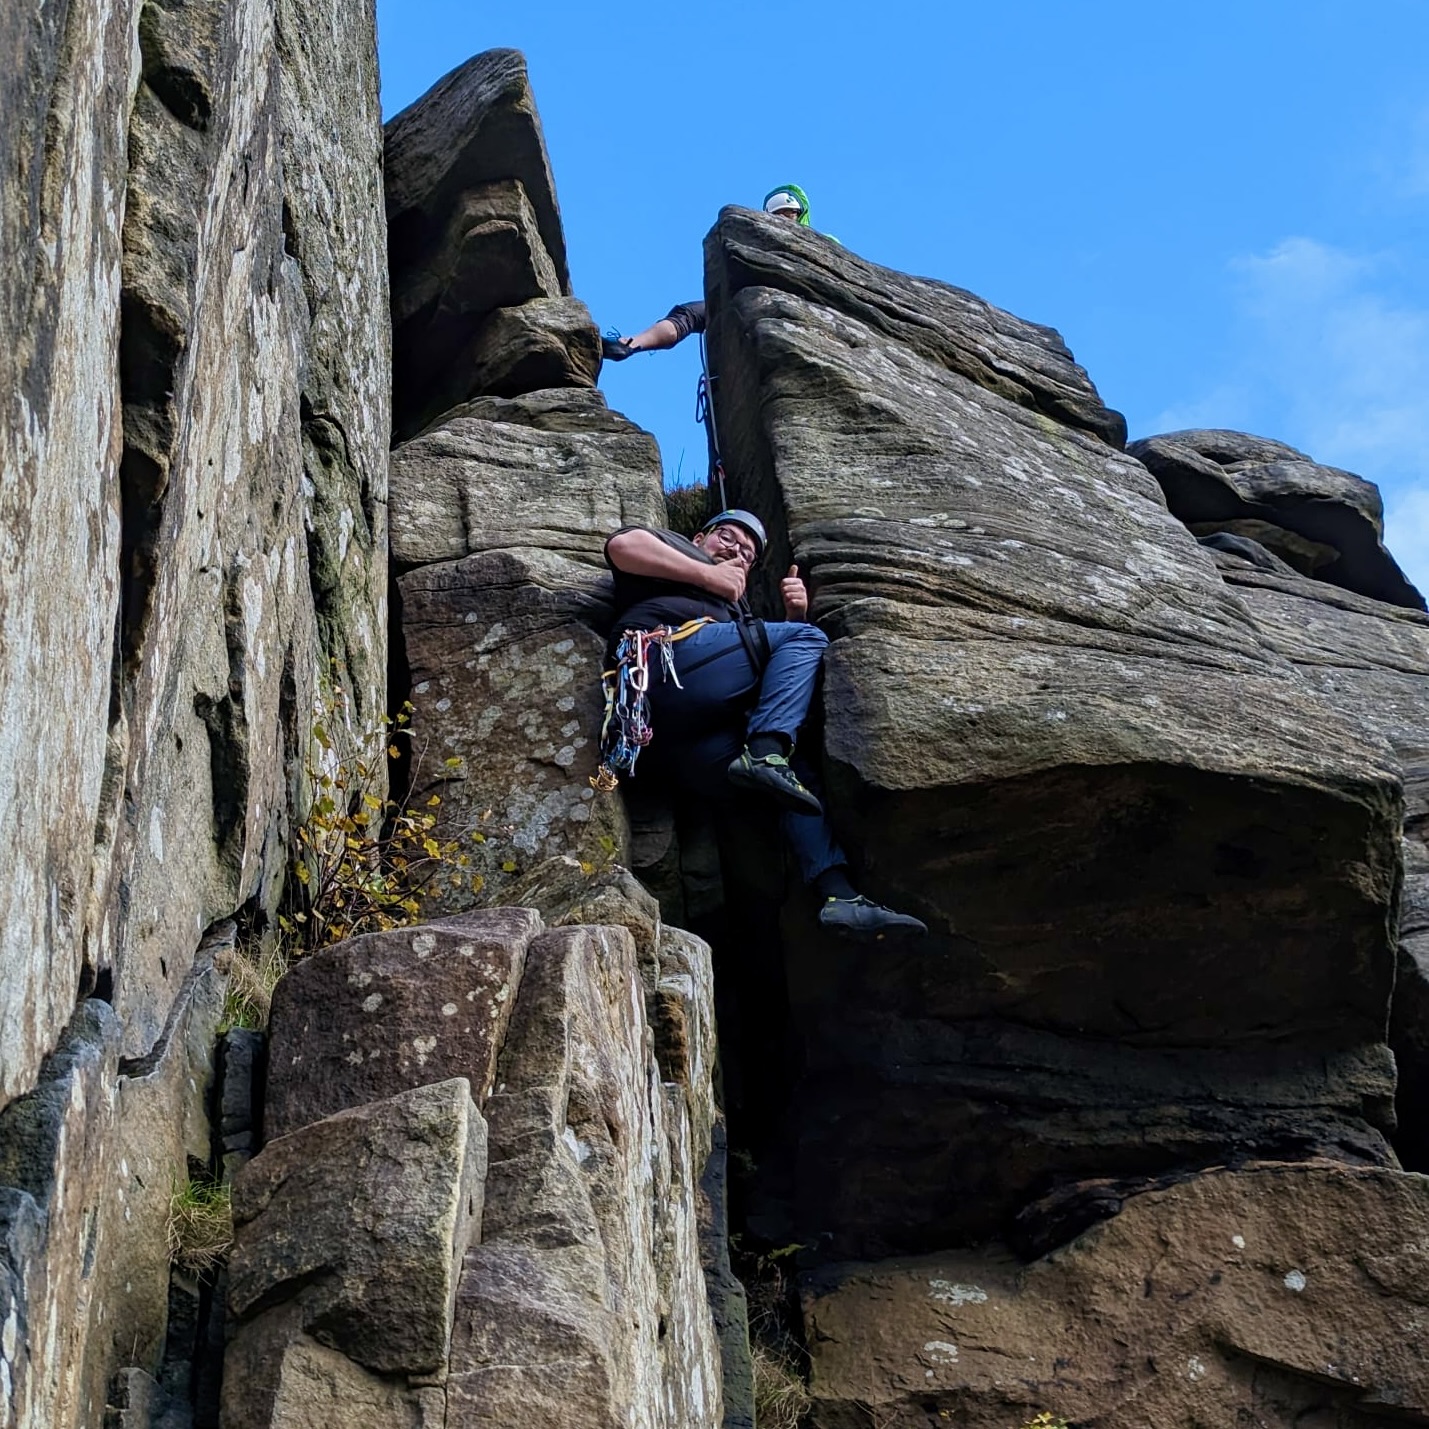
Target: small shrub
(1047, 1421)
(366, 864)
(780, 1398)
(200, 1225)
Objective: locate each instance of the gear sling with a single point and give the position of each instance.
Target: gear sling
(626, 729)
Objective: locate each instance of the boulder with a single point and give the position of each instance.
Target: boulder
(281, 1378)
(584, 1303)
(1222, 1300)
(472, 221)
(500, 516)
(1052, 731)
(353, 1230)
(387, 1012)
(544, 471)
(546, 343)
(1325, 522)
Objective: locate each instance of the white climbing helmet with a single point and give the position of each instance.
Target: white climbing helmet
(781, 200)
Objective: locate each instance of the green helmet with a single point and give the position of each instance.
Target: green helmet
(788, 196)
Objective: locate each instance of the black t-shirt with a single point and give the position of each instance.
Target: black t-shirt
(643, 602)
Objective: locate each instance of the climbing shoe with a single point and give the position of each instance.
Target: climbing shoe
(616, 349)
(772, 775)
(862, 918)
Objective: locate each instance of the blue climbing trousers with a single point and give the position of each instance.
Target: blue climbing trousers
(700, 729)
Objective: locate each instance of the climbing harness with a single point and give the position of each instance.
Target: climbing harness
(704, 413)
(625, 730)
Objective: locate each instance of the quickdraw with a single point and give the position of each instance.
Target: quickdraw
(626, 730)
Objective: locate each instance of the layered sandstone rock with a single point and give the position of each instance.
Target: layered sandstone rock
(1152, 815)
(502, 502)
(1161, 866)
(1371, 660)
(1224, 1300)
(475, 228)
(196, 385)
(1324, 522)
(500, 514)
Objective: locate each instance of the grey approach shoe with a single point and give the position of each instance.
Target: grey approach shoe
(862, 918)
(772, 775)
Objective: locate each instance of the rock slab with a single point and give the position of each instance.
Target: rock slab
(387, 1012)
(585, 1302)
(351, 1232)
(1219, 1301)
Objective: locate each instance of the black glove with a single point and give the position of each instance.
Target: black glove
(616, 349)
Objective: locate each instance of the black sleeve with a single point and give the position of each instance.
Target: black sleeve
(688, 318)
(673, 539)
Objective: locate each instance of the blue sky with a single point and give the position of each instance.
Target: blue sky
(1223, 207)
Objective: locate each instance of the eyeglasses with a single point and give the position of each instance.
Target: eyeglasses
(733, 539)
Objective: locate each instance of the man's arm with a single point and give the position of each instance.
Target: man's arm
(682, 320)
(639, 552)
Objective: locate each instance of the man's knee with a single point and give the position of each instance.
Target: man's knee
(796, 632)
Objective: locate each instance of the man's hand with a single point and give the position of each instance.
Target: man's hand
(796, 596)
(724, 579)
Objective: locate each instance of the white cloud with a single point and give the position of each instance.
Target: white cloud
(1332, 357)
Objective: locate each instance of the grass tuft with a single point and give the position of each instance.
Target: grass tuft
(200, 1225)
(780, 1398)
(253, 973)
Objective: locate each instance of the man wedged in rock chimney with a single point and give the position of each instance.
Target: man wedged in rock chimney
(727, 694)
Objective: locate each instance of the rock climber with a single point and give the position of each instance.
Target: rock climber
(788, 201)
(727, 709)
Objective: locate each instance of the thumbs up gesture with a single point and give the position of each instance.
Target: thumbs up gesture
(796, 596)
